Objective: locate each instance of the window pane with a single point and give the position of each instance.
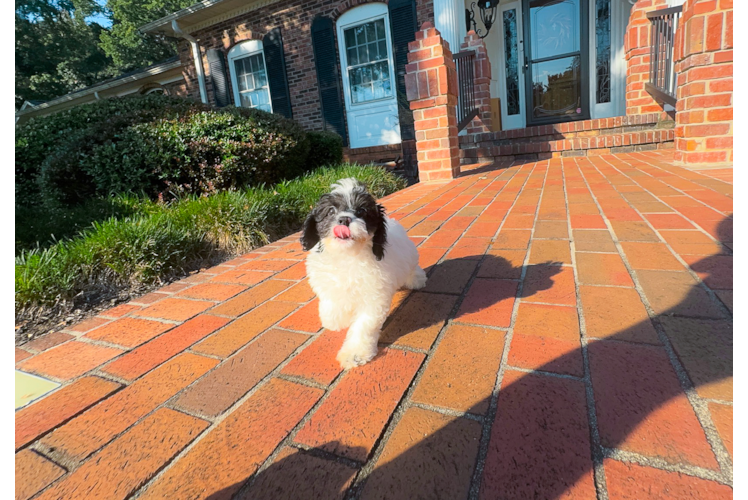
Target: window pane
(511, 62)
(352, 57)
(556, 89)
(251, 78)
(360, 34)
(371, 34)
(366, 49)
(602, 44)
(380, 29)
(554, 27)
(239, 70)
(363, 54)
(383, 50)
(350, 38)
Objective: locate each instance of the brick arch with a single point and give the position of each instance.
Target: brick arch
(236, 38)
(347, 5)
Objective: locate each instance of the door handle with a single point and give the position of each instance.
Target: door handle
(526, 66)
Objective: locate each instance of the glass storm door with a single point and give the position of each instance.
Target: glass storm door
(555, 64)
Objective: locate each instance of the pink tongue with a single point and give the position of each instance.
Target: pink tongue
(341, 232)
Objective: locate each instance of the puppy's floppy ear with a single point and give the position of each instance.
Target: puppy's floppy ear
(309, 235)
(380, 235)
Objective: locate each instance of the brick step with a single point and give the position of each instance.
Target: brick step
(581, 146)
(571, 130)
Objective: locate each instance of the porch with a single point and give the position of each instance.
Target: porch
(574, 340)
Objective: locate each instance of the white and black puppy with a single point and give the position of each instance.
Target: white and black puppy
(358, 258)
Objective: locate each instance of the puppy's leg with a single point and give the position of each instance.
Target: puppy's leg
(417, 279)
(360, 344)
(332, 317)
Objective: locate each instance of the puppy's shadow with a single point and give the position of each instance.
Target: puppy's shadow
(493, 284)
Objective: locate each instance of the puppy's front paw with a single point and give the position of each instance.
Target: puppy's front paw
(417, 279)
(352, 357)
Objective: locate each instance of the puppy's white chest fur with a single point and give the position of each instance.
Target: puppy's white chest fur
(353, 279)
(357, 260)
(355, 289)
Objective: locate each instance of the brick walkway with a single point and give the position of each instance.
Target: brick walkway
(574, 341)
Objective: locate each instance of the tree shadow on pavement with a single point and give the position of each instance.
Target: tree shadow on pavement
(539, 444)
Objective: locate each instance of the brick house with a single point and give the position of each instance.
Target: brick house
(524, 79)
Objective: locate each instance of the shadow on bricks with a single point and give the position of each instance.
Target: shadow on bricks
(538, 442)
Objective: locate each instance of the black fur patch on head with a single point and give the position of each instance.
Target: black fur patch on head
(309, 234)
(353, 200)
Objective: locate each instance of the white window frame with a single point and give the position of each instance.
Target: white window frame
(241, 50)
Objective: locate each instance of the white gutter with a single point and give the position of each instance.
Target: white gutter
(198, 59)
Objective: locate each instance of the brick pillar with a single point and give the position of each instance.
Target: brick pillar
(431, 86)
(636, 48)
(703, 62)
(482, 83)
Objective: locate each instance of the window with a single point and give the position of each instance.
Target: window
(511, 61)
(368, 62)
(249, 75)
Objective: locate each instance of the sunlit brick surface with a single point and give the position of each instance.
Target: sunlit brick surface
(574, 341)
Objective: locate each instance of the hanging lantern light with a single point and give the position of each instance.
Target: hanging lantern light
(487, 12)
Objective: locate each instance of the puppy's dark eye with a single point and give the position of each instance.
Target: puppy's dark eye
(360, 212)
(331, 211)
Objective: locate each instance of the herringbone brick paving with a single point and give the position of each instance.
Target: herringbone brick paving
(574, 340)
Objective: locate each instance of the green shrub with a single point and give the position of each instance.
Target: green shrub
(325, 148)
(44, 136)
(197, 151)
(162, 239)
(214, 151)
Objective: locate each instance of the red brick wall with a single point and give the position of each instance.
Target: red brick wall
(703, 58)
(177, 89)
(294, 17)
(431, 85)
(375, 154)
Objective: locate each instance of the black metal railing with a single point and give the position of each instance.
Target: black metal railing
(466, 108)
(662, 78)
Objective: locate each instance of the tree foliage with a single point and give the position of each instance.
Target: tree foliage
(56, 50)
(125, 45)
(59, 49)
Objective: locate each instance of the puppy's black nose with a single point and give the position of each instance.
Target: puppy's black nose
(344, 221)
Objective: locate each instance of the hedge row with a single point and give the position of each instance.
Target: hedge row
(159, 240)
(162, 147)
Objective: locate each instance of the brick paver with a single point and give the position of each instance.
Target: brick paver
(574, 340)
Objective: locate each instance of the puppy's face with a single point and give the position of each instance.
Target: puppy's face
(346, 219)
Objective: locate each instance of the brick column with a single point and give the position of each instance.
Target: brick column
(431, 86)
(703, 62)
(636, 48)
(482, 83)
